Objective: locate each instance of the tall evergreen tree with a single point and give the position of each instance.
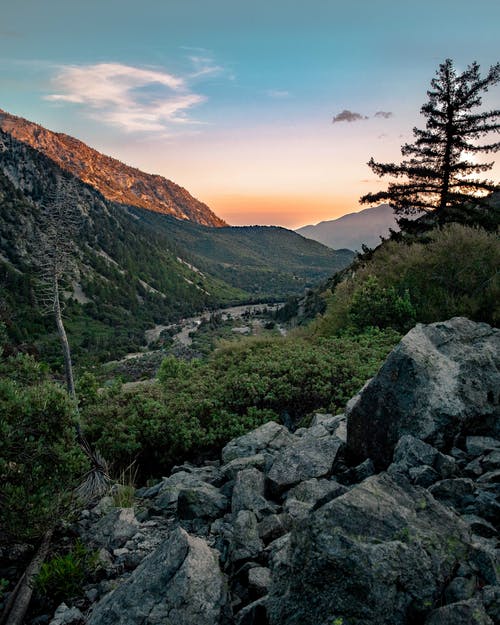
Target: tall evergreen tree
(440, 177)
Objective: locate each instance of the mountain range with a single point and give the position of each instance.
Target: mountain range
(115, 180)
(133, 267)
(353, 230)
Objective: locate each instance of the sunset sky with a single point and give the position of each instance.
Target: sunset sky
(235, 100)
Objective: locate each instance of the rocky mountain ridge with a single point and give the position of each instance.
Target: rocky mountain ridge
(116, 181)
(288, 529)
(353, 230)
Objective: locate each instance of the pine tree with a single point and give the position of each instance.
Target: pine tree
(440, 176)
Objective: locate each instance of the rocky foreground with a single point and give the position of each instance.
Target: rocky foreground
(388, 515)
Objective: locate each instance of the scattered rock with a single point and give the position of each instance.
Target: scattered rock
(270, 437)
(67, 616)
(308, 457)
(469, 612)
(179, 583)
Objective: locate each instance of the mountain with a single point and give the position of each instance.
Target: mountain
(354, 229)
(134, 268)
(115, 180)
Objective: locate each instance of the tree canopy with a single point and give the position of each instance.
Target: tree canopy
(440, 167)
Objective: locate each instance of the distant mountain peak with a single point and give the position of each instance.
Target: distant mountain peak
(353, 230)
(116, 181)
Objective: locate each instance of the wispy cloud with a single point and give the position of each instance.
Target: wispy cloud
(348, 116)
(384, 114)
(134, 98)
(278, 93)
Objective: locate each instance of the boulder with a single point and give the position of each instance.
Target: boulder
(246, 542)
(67, 616)
(307, 458)
(441, 383)
(203, 501)
(248, 493)
(381, 553)
(469, 612)
(179, 583)
(114, 529)
(269, 437)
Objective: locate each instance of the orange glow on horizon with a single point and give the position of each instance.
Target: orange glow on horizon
(287, 211)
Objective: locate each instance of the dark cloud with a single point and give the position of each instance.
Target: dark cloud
(348, 116)
(384, 114)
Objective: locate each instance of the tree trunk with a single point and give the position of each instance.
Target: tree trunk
(68, 365)
(23, 595)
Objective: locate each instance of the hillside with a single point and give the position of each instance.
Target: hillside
(353, 230)
(135, 268)
(114, 180)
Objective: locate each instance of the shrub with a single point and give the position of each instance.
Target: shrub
(40, 460)
(381, 307)
(238, 388)
(61, 578)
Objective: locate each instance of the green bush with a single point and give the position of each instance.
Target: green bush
(453, 273)
(381, 307)
(61, 578)
(40, 460)
(238, 388)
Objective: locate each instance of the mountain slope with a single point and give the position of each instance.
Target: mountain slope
(115, 180)
(354, 229)
(134, 268)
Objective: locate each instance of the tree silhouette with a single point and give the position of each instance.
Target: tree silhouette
(60, 221)
(440, 174)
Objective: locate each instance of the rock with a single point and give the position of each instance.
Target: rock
(253, 614)
(442, 381)
(491, 477)
(270, 437)
(114, 529)
(248, 493)
(334, 424)
(479, 526)
(165, 501)
(179, 583)
(490, 596)
(457, 493)
(308, 457)
(380, 553)
(246, 543)
(422, 476)
(230, 470)
(67, 616)
(273, 526)
(460, 589)
(478, 445)
(491, 461)
(301, 499)
(259, 580)
(201, 502)
(469, 612)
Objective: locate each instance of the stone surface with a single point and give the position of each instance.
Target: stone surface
(201, 502)
(246, 543)
(67, 616)
(248, 493)
(180, 583)
(271, 437)
(440, 383)
(114, 529)
(469, 612)
(378, 554)
(307, 458)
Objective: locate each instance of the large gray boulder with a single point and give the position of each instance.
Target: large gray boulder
(381, 553)
(440, 383)
(269, 437)
(179, 584)
(309, 457)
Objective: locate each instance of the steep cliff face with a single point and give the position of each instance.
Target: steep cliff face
(115, 180)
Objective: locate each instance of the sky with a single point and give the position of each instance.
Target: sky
(268, 111)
